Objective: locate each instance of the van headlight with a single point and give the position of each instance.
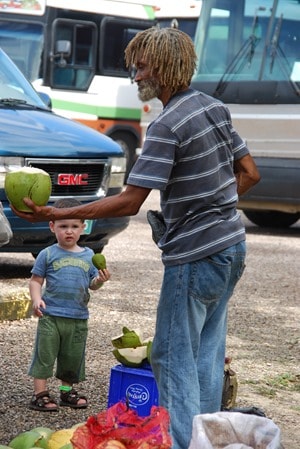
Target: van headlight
(117, 172)
(8, 164)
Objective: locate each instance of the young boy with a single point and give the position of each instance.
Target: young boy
(62, 308)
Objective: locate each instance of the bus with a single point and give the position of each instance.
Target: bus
(249, 57)
(73, 50)
(184, 16)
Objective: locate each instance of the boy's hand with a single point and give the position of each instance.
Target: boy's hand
(37, 305)
(103, 275)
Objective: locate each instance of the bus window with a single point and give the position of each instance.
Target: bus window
(185, 24)
(23, 42)
(246, 45)
(115, 34)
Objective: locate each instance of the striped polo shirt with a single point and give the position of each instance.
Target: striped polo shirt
(188, 155)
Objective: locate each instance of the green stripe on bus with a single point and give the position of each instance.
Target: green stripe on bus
(99, 111)
(150, 12)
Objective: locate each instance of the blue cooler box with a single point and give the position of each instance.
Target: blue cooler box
(137, 386)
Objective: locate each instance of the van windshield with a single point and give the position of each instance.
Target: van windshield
(14, 88)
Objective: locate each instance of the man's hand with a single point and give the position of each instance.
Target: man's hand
(246, 174)
(39, 213)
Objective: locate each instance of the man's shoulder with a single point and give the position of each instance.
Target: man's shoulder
(190, 99)
(185, 105)
(206, 99)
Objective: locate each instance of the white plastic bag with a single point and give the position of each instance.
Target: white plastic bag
(5, 229)
(234, 430)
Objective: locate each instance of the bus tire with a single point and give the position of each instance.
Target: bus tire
(272, 218)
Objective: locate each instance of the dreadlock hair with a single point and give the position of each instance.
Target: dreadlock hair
(169, 52)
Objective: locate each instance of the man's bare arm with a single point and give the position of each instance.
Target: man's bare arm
(246, 173)
(126, 203)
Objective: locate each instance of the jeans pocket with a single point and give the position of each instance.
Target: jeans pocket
(215, 275)
(208, 281)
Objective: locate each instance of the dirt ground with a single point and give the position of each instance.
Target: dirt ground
(263, 334)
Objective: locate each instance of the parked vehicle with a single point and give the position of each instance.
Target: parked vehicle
(82, 163)
(73, 50)
(249, 57)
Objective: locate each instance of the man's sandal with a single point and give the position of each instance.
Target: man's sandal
(71, 399)
(43, 402)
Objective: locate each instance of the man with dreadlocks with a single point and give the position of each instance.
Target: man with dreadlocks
(200, 165)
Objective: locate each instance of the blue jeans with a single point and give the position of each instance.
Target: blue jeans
(188, 349)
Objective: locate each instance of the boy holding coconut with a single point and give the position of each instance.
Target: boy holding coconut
(62, 308)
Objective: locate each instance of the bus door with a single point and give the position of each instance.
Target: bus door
(73, 54)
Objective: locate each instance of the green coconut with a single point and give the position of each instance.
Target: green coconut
(29, 182)
(133, 357)
(149, 349)
(45, 433)
(99, 261)
(25, 440)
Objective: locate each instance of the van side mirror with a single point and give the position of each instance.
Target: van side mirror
(46, 99)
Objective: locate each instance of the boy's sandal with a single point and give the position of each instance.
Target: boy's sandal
(43, 402)
(71, 399)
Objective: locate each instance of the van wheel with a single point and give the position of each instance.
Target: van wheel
(128, 144)
(272, 218)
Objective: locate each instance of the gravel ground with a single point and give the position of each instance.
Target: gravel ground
(263, 334)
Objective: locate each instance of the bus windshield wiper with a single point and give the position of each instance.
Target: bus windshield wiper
(277, 52)
(275, 42)
(242, 57)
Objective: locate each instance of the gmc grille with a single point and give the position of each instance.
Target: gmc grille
(97, 172)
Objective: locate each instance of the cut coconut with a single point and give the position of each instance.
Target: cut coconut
(129, 339)
(133, 357)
